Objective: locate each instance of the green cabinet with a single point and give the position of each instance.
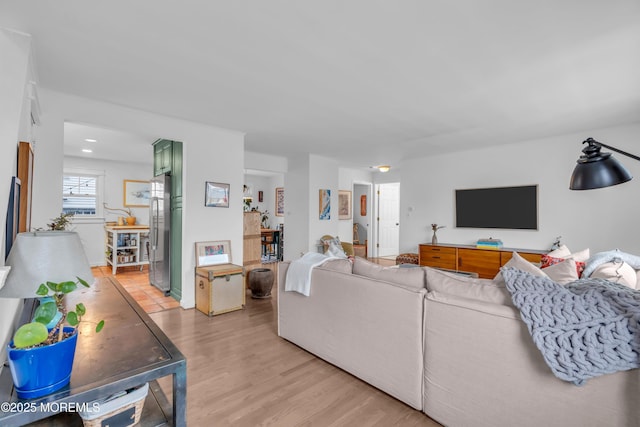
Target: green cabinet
(167, 159)
(162, 156)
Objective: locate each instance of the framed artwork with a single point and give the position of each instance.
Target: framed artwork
(344, 204)
(13, 214)
(279, 201)
(136, 193)
(324, 204)
(363, 205)
(213, 253)
(260, 196)
(216, 195)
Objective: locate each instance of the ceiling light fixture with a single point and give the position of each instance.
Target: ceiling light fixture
(91, 140)
(597, 170)
(384, 168)
(86, 150)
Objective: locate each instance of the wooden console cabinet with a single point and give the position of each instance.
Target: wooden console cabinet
(485, 262)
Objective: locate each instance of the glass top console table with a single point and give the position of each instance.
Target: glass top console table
(130, 351)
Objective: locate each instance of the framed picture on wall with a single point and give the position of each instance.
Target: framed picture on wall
(136, 193)
(344, 204)
(216, 195)
(13, 214)
(324, 205)
(279, 201)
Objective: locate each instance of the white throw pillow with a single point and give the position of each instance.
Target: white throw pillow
(562, 252)
(563, 272)
(618, 272)
(520, 263)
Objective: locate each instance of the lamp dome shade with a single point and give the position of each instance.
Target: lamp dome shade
(598, 172)
(41, 256)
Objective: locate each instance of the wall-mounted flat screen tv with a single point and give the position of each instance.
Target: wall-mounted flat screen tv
(499, 207)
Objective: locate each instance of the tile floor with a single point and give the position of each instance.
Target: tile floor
(136, 282)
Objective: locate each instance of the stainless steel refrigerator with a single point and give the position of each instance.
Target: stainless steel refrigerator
(159, 233)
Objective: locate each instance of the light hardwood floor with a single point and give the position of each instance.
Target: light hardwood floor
(240, 373)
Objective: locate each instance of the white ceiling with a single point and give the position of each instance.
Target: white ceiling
(366, 81)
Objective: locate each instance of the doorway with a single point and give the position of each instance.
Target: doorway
(388, 220)
(362, 219)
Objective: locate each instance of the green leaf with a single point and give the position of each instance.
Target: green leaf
(30, 334)
(42, 291)
(66, 287)
(83, 282)
(45, 313)
(72, 318)
(100, 326)
(80, 309)
(52, 285)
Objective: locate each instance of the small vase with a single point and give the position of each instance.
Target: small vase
(131, 220)
(434, 239)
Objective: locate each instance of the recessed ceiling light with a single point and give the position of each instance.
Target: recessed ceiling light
(86, 150)
(91, 140)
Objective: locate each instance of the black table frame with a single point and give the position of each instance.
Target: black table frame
(91, 387)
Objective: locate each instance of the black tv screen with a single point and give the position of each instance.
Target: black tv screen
(500, 207)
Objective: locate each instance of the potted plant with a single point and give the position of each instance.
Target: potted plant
(264, 219)
(61, 221)
(130, 219)
(41, 357)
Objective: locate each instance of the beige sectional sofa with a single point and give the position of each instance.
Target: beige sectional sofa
(451, 346)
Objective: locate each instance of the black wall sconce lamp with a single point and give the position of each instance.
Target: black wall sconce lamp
(597, 170)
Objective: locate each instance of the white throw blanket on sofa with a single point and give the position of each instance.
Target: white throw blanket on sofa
(299, 272)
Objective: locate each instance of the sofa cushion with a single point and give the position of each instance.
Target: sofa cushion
(486, 290)
(618, 272)
(412, 277)
(342, 265)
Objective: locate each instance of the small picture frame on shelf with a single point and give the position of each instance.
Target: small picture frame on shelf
(213, 252)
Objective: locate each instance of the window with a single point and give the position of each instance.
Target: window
(81, 194)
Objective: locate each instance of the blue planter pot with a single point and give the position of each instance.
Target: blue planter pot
(42, 370)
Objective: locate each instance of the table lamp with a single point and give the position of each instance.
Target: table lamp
(597, 170)
(44, 256)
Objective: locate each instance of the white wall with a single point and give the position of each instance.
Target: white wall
(209, 154)
(15, 73)
(600, 219)
(92, 231)
(296, 207)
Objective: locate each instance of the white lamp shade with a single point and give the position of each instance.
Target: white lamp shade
(44, 256)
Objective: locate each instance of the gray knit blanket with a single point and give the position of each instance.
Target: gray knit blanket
(584, 329)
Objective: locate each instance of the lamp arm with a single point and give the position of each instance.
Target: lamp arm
(592, 141)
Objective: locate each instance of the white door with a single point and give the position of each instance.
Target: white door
(388, 219)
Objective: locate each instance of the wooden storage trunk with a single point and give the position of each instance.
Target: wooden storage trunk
(219, 288)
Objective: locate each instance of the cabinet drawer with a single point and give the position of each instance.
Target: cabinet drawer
(431, 249)
(438, 257)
